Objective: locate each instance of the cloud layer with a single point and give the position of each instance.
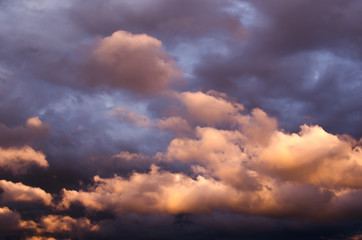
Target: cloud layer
(186, 119)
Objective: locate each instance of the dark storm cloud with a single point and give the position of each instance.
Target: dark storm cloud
(300, 60)
(163, 19)
(306, 25)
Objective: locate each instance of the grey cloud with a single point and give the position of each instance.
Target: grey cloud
(301, 62)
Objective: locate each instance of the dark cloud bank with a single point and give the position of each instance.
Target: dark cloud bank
(184, 119)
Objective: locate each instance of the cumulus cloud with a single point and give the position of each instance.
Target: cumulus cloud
(218, 110)
(135, 62)
(220, 154)
(250, 168)
(164, 192)
(47, 226)
(155, 192)
(18, 192)
(34, 122)
(311, 156)
(64, 224)
(11, 221)
(174, 124)
(205, 108)
(20, 159)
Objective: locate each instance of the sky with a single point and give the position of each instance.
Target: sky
(170, 119)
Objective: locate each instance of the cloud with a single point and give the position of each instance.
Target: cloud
(168, 19)
(56, 225)
(53, 225)
(219, 154)
(127, 115)
(20, 159)
(160, 192)
(11, 221)
(135, 62)
(40, 238)
(216, 109)
(18, 192)
(174, 124)
(180, 160)
(65, 224)
(292, 67)
(206, 108)
(251, 168)
(34, 122)
(34, 128)
(155, 192)
(311, 156)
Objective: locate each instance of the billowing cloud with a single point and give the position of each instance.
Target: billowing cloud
(205, 108)
(174, 124)
(18, 192)
(19, 159)
(65, 224)
(135, 62)
(164, 192)
(311, 156)
(217, 109)
(218, 153)
(250, 168)
(155, 192)
(11, 221)
(34, 122)
(293, 67)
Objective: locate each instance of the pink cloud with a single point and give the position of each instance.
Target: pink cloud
(19, 159)
(135, 62)
(18, 192)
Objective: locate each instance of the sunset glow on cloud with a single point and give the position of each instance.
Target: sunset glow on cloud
(180, 119)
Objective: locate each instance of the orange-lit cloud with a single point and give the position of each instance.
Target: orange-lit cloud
(252, 167)
(174, 193)
(218, 152)
(174, 124)
(40, 238)
(19, 159)
(34, 122)
(155, 192)
(18, 192)
(11, 221)
(205, 108)
(311, 156)
(134, 62)
(63, 224)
